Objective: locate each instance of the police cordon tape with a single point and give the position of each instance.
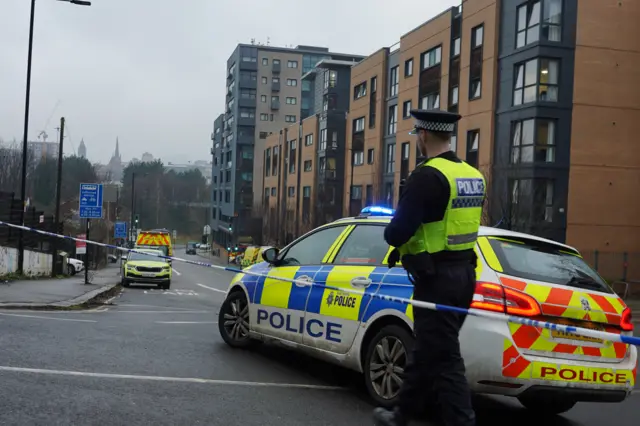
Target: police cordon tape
(631, 340)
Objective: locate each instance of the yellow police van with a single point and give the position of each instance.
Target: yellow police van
(252, 255)
(518, 274)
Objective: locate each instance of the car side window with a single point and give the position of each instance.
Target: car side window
(312, 249)
(364, 246)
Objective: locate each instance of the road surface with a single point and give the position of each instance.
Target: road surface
(156, 358)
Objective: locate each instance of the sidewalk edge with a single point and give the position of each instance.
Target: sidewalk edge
(81, 302)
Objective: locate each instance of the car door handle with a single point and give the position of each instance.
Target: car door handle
(361, 282)
(303, 278)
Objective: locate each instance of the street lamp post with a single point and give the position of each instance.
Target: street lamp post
(133, 189)
(25, 146)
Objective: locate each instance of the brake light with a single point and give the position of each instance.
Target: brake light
(495, 297)
(626, 322)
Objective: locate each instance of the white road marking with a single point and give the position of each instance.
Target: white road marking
(47, 318)
(212, 289)
(176, 292)
(150, 306)
(169, 379)
(176, 272)
(186, 322)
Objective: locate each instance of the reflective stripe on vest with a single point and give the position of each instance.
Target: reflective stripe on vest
(458, 230)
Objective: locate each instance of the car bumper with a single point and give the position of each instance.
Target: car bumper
(490, 368)
(138, 278)
(78, 268)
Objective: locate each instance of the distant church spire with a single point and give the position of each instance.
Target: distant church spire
(82, 149)
(117, 154)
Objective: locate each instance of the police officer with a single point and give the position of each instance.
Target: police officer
(434, 230)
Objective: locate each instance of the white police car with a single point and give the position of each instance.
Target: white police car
(519, 274)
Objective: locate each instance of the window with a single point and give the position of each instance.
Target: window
(531, 202)
(406, 109)
(247, 154)
(475, 69)
(274, 191)
(358, 158)
(323, 139)
(308, 165)
(395, 82)
(249, 59)
(248, 93)
(431, 57)
(528, 22)
(247, 113)
(265, 61)
(264, 80)
(360, 90)
(477, 36)
(365, 245)
(228, 175)
(292, 64)
(292, 101)
(291, 192)
(263, 135)
(266, 194)
(473, 143)
(263, 98)
(456, 47)
(430, 101)
(393, 119)
(308, 140)
(276, 62)
(290, 118)
(369, 195)
(358, 125)
(311, 249)
(370, 157)
(275, 79)
(292, 82)
(408, 67)
(536, 80)
(264, 117)
(330, 79)
(306, 191)
(227, 196)
(453, 142)
(391, 158)
(270, 117)
(356, 192)
(533, 140)
(454, 96)
(247, 176)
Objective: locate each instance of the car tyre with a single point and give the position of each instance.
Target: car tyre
(233, 320)
(71, 270)
(125, 282)
(385, 359)
(167, 285)
(547, 406)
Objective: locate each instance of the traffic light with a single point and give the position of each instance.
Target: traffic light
(228, 248)
(137, 218)
(236, 248)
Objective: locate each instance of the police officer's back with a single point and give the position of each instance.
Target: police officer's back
(435, 229)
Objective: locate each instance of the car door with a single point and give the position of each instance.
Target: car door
(333, 317)
(278, 306)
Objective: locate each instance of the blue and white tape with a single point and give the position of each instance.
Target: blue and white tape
(613, 337)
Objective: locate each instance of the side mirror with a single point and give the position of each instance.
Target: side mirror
(270, 255)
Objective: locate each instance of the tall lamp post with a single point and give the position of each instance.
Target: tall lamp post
(23, 186)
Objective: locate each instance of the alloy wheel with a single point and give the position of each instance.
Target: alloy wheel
(236, 319)
(387, 365)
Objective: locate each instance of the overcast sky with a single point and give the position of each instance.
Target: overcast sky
(152, 72)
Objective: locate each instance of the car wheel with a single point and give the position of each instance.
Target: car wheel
(167, 285)
(384, 363)
(233, 320)
(125, 282)
(547, 405)
(71, 270)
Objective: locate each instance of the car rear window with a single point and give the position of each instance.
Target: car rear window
(529, 259)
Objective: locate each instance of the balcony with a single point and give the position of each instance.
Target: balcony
(248, 83)
(248, 66)
(275, 104)
(275, 68)
(246, 121)
(247, 103)
(275, 87)
(327, 174)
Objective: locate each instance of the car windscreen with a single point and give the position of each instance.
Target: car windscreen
(144, 257)
(529, 259)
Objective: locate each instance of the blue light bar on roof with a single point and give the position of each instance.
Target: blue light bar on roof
(377, 211)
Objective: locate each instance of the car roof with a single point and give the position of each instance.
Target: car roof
(150, 251)
(485, 231)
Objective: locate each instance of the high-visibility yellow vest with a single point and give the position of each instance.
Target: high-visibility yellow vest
(458, 230)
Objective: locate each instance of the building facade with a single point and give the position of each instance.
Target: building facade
(265, 92)
(549, 106)
(304, 164)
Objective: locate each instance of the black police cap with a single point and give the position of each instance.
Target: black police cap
(434, 120)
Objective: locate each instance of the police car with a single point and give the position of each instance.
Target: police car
(517, 274)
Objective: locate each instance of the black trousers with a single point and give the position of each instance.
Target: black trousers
(435, 372)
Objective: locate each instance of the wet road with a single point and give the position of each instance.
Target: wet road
(156, 358)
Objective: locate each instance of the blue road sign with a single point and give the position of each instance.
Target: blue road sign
(120, 230)
(90, 201)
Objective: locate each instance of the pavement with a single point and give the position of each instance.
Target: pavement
(155, 357)
(58, 293)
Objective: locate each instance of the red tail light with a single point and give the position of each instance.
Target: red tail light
(494, 297)
(626, 322)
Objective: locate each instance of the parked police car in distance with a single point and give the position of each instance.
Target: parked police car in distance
(517, 274)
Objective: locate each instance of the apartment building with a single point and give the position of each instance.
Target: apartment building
(304, 165)
(265, 92)
(550, 110)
